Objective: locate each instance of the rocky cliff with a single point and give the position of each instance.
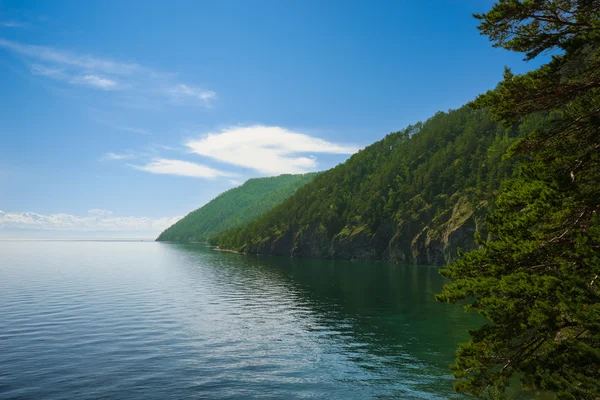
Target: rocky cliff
(435, 243)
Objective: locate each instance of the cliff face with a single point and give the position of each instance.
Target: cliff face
(440, 241)
(436, 243)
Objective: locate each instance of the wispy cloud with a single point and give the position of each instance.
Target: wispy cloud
(115, 156)
(150, 151)
(138, 83)
(13, 24)
(65, 58)
(181, 168)
(96, 81)
(107, 121)
(96, 220)
(183, 92)
(266, 149)
(56, 73)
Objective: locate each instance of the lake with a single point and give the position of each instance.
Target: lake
(146, 320)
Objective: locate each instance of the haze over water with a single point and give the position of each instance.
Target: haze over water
(148, 320)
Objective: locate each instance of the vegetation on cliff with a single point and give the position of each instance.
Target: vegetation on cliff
(415, 196)
(235, 207)
(538, 281)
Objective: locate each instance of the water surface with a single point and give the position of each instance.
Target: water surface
(145, 320)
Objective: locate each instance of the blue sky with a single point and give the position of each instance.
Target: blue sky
(117, 117)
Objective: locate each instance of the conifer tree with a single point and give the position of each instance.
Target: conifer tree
(537, 279)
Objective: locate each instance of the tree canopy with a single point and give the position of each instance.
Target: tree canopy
(537, 281)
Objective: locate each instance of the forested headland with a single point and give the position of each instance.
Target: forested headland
(416, 196)
(235, 207)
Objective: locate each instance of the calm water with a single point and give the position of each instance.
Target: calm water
(113, 320)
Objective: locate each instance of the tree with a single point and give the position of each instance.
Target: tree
(537, 280)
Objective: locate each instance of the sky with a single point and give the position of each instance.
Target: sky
(119, 117)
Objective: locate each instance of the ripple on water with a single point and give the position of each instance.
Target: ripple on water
(116, 320)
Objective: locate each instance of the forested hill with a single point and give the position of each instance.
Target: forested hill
(413, 197)
(235, 207)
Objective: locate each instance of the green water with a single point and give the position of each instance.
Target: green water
(153, 320)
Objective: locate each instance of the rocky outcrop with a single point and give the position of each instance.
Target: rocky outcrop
(406, 242)
(440, 241)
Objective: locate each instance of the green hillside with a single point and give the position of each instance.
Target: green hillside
(235, 207)
(416, 196)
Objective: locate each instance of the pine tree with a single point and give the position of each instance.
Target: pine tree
(537, 279)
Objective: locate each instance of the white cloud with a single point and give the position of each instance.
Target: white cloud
(97, 220)
(181, 168)
(115, 156)
(56, 73)
(139, 85)
(182, 92)
(59, 57)
(267, 149)
(96, 81)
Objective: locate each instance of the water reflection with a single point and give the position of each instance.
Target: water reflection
(152, 321)
(379, 318)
